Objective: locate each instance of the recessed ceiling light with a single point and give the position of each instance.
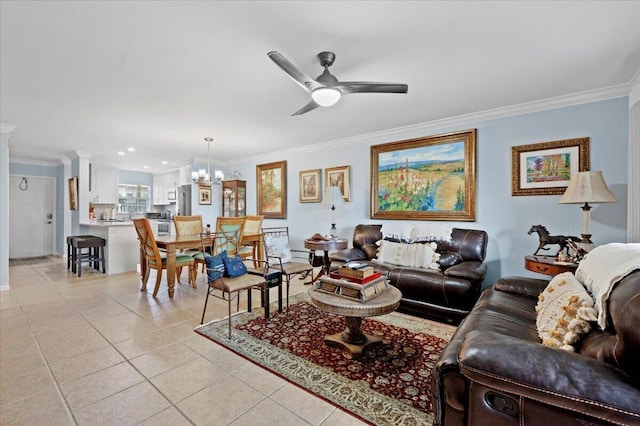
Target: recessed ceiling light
(164, 162)
(132, 149)
(120, 153)
(145, 167)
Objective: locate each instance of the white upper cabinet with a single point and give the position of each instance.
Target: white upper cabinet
(164, 188)
(103, 188)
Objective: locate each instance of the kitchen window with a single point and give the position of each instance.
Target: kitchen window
(133, 198)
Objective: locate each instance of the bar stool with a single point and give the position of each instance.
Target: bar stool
(95, 253)
(71, 253)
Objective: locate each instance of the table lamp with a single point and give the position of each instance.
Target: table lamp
(587, 187)
(333, 197)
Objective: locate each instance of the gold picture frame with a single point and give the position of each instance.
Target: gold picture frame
(546, 168)
(271, 179)
(73, 193)
(310, 186)
(339, 176)
(204, 195)
(429, 178)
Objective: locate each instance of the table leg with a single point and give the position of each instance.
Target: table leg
(171, 268)
(352, 338)
(324, 269)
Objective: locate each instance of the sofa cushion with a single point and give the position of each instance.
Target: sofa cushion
(564, 310)
(414, 255)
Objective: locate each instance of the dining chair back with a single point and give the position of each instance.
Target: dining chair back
(233, 229)
(252, 227)
(225, 274)
(153, 259)
(188, 224)
(279, 255)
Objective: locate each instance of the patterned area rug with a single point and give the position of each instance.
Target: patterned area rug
(389, 385)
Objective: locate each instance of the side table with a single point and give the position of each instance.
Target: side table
(326, 246)
(548, 265)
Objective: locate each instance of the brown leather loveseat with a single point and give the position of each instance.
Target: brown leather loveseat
(495, 371)
(445, 295)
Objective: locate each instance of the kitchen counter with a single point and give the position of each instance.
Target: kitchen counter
(106, 223)
(122, 252)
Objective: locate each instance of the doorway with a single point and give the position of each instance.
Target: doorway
(31, 216)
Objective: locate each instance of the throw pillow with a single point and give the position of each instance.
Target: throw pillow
(234, 267)
(277, 246)
(414, 255)
(215, 265)
(564, 310)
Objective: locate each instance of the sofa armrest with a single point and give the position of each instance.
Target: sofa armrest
(549, 375)
(348, 255)
(528, 287)
(470, 269)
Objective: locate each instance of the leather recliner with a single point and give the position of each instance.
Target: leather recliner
(446, 295)
(496, 372)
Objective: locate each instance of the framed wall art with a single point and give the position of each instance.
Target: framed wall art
(546, 168)
(204, 195)
(339, 176)
(73, 193)
(430, 178)
(310, 186)
(272, 189)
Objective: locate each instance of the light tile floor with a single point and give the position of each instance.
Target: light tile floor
(96, 350)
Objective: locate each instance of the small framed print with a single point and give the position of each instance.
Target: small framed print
(546, 168)
(310, 186)
(204, 195)
(339, 176)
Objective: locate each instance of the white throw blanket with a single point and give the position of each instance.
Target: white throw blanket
(410, 233)
(602, 268)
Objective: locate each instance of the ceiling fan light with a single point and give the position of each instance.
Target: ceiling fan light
(326, 96)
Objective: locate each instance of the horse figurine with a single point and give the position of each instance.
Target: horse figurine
(546, 239)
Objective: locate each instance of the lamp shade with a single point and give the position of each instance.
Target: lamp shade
(587, 187)
(333, 196)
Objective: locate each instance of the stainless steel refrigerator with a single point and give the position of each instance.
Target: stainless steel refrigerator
(184, 200)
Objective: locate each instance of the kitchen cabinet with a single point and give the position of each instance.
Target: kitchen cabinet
(103, 185)
(165, 188)
(234, 198)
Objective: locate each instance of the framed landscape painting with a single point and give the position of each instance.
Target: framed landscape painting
(546, 168)
(310, 186)
(430, 178)
(272, 189)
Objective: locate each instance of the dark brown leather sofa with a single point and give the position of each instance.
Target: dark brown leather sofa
(496, 372)
(446, 295)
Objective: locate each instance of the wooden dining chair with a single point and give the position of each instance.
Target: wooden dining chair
(233, 228)
(154, 260)
(222, 276)
(191, 225)
(252, 226)
(279, 255)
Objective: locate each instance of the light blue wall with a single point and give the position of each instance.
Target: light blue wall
(505, 218)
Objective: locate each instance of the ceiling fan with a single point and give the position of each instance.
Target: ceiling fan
(326, 90)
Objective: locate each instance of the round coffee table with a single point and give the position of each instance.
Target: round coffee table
(352, 338)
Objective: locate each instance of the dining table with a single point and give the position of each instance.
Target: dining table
(172, 243)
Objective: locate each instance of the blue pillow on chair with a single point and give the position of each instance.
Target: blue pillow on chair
(234, 267)
(215, 265)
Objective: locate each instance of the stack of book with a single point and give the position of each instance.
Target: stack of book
(358, 273)
(354, 291)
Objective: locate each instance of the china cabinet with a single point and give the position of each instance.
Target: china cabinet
(234, 197)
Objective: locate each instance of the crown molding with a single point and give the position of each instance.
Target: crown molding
(460, 121)
(634, 94)
(32, 162)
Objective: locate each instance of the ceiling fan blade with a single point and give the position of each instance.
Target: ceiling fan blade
(298, 76)
(308, 107)
(347, 87)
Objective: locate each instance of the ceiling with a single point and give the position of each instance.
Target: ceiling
(160, 76)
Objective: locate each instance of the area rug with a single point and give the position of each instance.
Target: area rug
(31, 260)
(389, 385)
